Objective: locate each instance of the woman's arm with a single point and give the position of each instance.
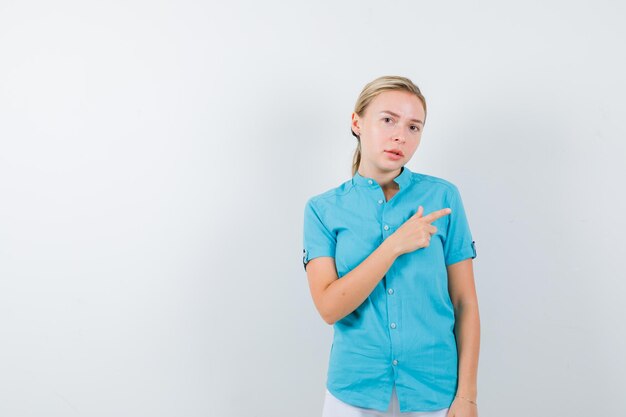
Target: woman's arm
(336, 298)
(467, 327)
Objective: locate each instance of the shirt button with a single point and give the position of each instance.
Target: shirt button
(369, 181)
(380, 201)
(390, 290)
(393, 325)
(386, 227)
(395, 361)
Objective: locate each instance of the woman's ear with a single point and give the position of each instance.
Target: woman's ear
(355, 125)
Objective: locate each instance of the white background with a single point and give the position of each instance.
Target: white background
(155, 158)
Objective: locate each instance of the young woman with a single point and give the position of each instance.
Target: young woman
(388, 256)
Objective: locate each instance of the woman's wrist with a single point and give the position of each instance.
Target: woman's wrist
(392, 246)
(467, 399)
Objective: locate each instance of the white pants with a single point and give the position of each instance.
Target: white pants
(334, 407)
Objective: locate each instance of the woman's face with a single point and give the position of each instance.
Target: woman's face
(393, 120)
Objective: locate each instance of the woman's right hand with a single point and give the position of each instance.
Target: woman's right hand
(415, 233)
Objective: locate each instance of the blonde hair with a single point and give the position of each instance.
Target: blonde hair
(369, 92)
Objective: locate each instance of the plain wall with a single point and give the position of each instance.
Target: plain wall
(156, 156)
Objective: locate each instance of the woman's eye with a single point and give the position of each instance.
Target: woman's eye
(386, 119)
(415, 128)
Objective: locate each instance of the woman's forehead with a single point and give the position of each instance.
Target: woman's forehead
(401, 103)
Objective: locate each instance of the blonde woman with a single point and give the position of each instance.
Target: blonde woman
(388, 256)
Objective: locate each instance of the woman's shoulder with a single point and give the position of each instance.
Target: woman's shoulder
(435, 181)
(331, 195)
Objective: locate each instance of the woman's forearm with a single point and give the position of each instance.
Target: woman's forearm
(467, 330)
(344, 295)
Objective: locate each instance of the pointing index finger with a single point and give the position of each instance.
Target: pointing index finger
(431, 217)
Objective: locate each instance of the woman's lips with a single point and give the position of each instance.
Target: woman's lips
(393, 156)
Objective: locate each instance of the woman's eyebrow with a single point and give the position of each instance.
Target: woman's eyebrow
(397, 115)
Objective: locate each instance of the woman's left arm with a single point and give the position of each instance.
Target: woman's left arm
(467, 330)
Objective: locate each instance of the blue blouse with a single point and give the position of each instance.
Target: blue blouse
(403, 333)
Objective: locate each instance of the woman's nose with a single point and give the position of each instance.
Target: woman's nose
(398, 136)
(398, 133)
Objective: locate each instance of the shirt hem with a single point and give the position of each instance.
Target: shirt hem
(415, 408)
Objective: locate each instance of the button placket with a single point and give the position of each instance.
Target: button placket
(386, 226)
(392, 307)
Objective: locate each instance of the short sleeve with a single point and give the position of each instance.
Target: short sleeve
(318, 239)
(458, 244)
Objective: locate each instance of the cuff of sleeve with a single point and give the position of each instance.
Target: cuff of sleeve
(307, 255)
(465, 253)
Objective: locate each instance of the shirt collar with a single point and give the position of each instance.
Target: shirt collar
(402, 180)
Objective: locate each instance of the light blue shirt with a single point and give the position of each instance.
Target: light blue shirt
(403, 333)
